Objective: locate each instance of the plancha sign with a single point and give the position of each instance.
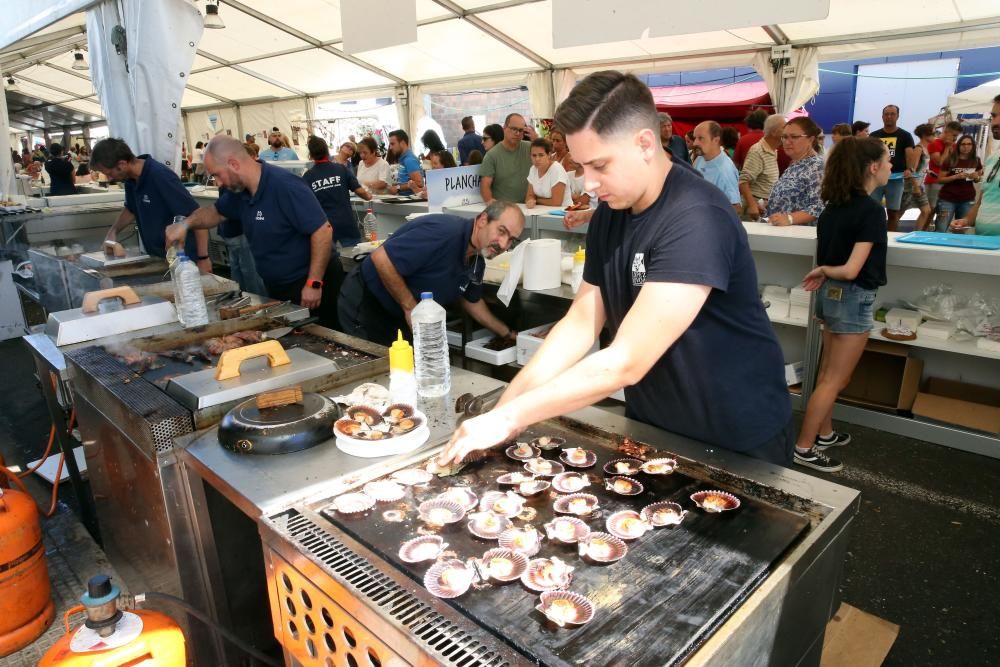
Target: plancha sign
(457, 186)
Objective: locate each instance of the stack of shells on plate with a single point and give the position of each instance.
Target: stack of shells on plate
(492, 516)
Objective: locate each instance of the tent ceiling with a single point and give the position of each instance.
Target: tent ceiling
(29, 112)
(265, 54)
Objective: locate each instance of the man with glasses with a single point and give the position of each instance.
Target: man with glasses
(760, 168)
(897, 140)
(984, 217)
(438, 253)
(504, 171)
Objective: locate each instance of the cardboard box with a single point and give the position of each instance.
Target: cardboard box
(886, 378)
(856, 639)
(959, 403)
(528, 343)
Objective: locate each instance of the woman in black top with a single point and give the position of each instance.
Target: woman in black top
(851, 242)
(61, 172)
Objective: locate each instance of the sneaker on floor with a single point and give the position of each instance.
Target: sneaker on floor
(836, 439)
(817, 461)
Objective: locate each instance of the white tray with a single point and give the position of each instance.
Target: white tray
(371, 449)
(476, 350)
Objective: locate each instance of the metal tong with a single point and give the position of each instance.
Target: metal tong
(473, 406)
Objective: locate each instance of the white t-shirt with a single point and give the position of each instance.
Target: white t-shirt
(543, 186)
(198, 157)
(377, 172)
(577, 183)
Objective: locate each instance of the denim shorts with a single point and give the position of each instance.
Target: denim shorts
(845, 308)
(892, 192)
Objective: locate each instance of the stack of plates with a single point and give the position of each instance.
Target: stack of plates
(798, 304)
(777, 296)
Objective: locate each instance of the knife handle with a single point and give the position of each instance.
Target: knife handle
(230, 361)
(124, 292)
(279, 397)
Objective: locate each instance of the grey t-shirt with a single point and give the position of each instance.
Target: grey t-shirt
(509, 170)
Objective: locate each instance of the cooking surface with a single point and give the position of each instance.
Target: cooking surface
(655, 606)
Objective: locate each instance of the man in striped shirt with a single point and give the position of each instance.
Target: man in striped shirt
(760, 168)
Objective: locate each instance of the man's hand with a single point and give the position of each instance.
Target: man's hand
(175, 234)
(408, 314)
(529, 132)
(959, 226)
(311, 296)
(204, 265)
(814, 279)
(577, 218)
(478, 433)
(753, 210)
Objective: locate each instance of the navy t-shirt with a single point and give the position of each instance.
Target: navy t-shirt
(155, 198)
(840, 226)
(278, 221)
(722, 382)
(61, 173)
(429, 254)
(333, 183)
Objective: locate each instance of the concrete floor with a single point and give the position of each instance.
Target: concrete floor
(924, 552)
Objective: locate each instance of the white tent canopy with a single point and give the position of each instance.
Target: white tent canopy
(273, 51)
(975, 100)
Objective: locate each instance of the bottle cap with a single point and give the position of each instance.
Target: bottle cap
(426, 295)
(579, 255)
(400, 354)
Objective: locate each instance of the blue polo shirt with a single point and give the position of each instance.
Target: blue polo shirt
(278, 221)
(470, 141)
(408, 164)
(721, 172)
(154, 199)
(429, 254)
(333, 183)
(271, 155)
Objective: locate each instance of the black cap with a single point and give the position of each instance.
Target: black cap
(99, 586)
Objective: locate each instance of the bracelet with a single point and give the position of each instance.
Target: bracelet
(791, 220)
(201, 257)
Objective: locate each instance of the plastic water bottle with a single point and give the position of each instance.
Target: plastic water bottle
(370, 226)
(190, 299)
(430, 344)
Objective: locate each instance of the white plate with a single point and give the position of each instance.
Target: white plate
(371, 449)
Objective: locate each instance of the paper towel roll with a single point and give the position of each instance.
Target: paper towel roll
(542, 259)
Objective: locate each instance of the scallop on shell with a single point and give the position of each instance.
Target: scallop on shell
(715, 501)
(623, 486)
(576, 503)
(385, 491)
(543, 467)
(364, 415)
(526, 540)
(504, 564)
(602, 548)
(504, 504)
(547, 574)
(548, 442)
(514, 478)
(405, 425)
(424, 547)
(566, 608)
(533, 487)
(398, 411)
(567, 530)
(439, 512)
(462, 495)
(659, 466)
(570, 482)
(663, 514)
(623, 466)
(449, 579)
(522, 451)
(412, 476)
(353, 503)
(626, 525)
(487, 525)
(578, 457)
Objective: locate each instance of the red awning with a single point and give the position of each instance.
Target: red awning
(727, 104)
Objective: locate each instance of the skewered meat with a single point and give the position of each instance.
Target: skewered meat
(220, 345)
(251, 336)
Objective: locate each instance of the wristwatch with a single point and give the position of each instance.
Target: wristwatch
(315, 284)
(201, 257)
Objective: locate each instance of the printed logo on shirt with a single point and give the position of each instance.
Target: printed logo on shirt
(890, 143)
(639, 269)
(326, 183)
(260, 216)
(145, 199)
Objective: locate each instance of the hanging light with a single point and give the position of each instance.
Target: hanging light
(79, 62)
(212, 18)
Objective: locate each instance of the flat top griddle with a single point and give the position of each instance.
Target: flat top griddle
(654, 607)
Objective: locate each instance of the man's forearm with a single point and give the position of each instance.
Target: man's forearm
(416, 180)
(205, 217)
(201, 242)
(480, 312)
(125, 218)
(392, 281)
(486, 188)
(320, 246)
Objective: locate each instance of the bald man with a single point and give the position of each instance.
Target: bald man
(289, 235)
(715, 165)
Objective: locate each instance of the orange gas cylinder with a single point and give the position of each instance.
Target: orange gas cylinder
(26, 608)
(140, 639)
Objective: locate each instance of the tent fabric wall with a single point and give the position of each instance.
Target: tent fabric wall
(975, 100)
(788, 94)
(7, 181)
(258, 119)
(205, 124)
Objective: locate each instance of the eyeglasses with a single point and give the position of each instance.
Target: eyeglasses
(473, 276)
(519, 130)
(790, 137)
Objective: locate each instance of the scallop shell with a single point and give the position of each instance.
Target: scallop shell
(533, 487)
(385, 491)
(566, 608)
(348, 428)
(543, 467)
(487, 525)
(659, 466)
(449, 579)
(526, 540)
(412, 476)
(613, 467)
(364, 414)
(563, 482)
(353, 503)
(626, 524)
(504, 504)
(504, 564)
(462, 495)
(602, 548)
(547, 574)
(571, 504)
(514, 478)
(522, 451)
(548, 442)
(567, 530)
(715, 501)
(372, 435)
(434, 512)
(663, 514)
(405, 425)
(398, 411)
(623, 486)
(424, 547)
(588, 459)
